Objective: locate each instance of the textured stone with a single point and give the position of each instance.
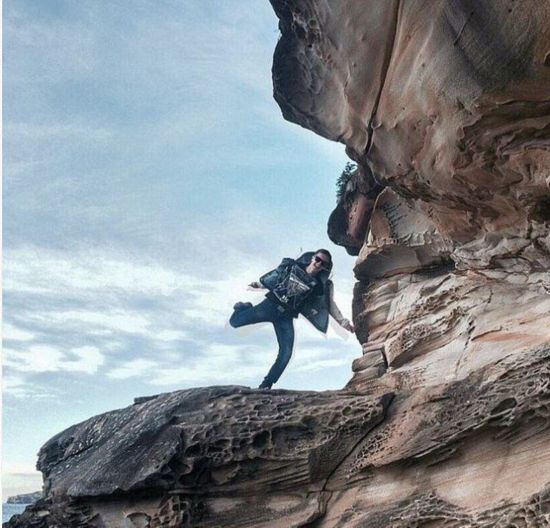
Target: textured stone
(430, 510)
(368, 360)
(348, 223)
(275, 450)
(400, 240)
(214, 437)
(450, 110)
(366, 375)
(447, 116)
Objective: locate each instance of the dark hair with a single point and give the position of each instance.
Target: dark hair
(327, 253)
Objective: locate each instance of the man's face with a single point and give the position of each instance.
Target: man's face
(319, 262)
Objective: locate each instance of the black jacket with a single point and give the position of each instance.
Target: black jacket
(315, 308)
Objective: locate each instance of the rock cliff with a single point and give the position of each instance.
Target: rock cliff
(24, 498)
(445, 107)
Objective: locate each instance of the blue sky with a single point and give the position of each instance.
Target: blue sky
(148, 177)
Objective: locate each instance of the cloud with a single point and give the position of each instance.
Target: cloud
(246, 362)
(322, 357)
(39, 270)
(21, 387)
(46, 358)
(84, 359)
(321, 364)
(116, 294)
(56, 131)
(15, 333)
(210, 367)
(20, 469)
(132, 369)
(107, 322)
(65, 48)
(57, 299)
(171, 335)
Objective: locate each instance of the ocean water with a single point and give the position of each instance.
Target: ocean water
(8, 510)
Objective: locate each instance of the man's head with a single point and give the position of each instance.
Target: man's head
(321, 261)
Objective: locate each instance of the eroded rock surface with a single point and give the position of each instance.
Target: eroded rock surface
(445, 107)
(446, 102)
(182, 458)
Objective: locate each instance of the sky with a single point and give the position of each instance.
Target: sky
(149, 177)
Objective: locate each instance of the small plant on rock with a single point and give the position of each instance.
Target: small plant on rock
(343, 179)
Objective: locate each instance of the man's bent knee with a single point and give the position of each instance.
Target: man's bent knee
(239, 317)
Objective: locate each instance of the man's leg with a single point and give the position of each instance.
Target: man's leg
(247, 315)
(284, 329)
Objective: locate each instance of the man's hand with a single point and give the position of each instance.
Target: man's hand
(348, 326)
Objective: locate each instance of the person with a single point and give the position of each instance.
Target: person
(300, 286)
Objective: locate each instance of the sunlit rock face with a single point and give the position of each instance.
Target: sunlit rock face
(445, 108)
(446, 102)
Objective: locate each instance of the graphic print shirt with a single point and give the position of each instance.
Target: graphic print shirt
(294, 287)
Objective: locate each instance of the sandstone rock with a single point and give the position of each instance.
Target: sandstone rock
(369, 360)
(445, 106)
(400, 239)
(184, 457)
(348, 223)
(450, 110)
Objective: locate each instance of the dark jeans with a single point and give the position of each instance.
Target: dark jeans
(268, 311)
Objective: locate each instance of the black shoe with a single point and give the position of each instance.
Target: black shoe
(265, 385)
(241, 305)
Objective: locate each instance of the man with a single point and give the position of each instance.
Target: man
(295, 286)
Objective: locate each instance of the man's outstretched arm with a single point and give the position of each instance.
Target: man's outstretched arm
(335, 312)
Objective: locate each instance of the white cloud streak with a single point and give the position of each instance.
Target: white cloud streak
(19, 478)
(248, 362)
(19, 386)
(132, 369)
(15, 333)
(46, 358)
(40, 270)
